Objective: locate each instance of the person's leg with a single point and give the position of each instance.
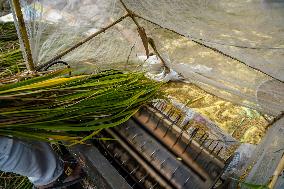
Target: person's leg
(36, 160)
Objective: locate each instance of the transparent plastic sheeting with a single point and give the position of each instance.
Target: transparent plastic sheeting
(251, 31)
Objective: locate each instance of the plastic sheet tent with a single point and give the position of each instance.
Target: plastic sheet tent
(233, 49)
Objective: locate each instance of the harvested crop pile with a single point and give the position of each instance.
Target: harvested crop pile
(54, 107)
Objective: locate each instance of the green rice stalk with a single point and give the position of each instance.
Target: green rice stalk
(57, 108)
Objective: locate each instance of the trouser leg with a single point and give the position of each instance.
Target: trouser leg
(36, 160)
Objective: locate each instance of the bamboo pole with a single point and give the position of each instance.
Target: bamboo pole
(24, 35)
(277, 173)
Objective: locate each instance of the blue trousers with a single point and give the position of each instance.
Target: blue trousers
(36, 160)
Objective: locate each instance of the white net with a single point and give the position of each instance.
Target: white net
(233, 49)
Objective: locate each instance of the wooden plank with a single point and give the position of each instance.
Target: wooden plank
(268, 155)
(98, 169)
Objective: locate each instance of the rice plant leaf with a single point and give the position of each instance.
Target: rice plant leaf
(5, 88)
(49, 107)
(253, 186)
(86, 138)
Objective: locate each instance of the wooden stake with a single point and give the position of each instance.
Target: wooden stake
(24, 35)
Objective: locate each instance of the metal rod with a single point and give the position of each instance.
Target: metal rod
(190, 139)
(152, 157)
(143, 178)
(163, 161)
(186, 181)
(178, 138)
(158, 123)
(219, 150)
(217, 143)
(172, 124)
(142, 146)
(24, 35)
(141, 162)
(173, 173)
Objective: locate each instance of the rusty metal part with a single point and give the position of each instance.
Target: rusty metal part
(182, 144)
(160, 158)
(98, 169)
(138, 174)
(157, 148)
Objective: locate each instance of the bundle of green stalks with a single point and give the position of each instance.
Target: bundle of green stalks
(54, 107)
